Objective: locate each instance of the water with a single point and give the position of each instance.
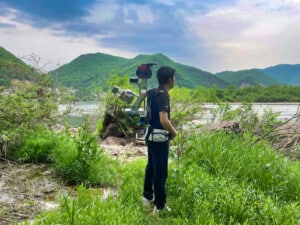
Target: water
(82, 108)
(286, 110)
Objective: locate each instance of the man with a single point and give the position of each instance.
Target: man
(160, 133)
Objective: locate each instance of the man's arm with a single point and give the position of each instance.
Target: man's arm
(166, 124)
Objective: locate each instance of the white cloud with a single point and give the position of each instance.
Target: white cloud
(134, 13)
(51, 45)
(144, 14)
(102, 12)
(247, 35)
(166, 2)
(272, 4)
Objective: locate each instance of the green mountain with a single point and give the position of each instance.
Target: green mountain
(13, 68)
(252, 77)
(87, 70)
(92, 70)
(284, 73)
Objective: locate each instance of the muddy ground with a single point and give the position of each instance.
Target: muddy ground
(26, 190)
(29, 189)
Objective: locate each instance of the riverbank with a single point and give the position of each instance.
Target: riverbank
(26, 190)
(30, 189)
(222, 179)
(285, 109)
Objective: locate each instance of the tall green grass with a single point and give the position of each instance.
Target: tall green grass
(75, 159)
(235, 157)
(81, 161)
(203, 198)
(36, 146)
(222, 179)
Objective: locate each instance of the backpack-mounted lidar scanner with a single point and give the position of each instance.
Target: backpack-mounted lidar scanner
(143, 74)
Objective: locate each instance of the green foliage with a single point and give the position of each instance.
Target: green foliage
(77, 160)
(284, 73)
(23, 108)
(247, 119)
(100, 128)
(269, 120)
(222, 179)
(273, 93)
(252, 77)
(202, 198)
(90, 208)
(225, 179)
(237, 157)
(80, 161)
(74, 121)
(244, 115)
(112, 101)
(184, 104)
(88, 72)
(86, 94)
(125, 122)
(202, 94)
(37, 145)
(13, 68)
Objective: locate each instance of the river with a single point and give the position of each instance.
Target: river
(285, 110)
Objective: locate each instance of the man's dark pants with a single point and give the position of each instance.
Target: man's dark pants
(156, 172)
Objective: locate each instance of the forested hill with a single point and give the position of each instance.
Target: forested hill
(244, 78)
(92, 70)
(284, 73)
(12, 67)
(279, 74)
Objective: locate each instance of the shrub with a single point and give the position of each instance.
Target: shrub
(244, 115)
(80, 161)
(26, 107)
(184, 104)
(37, 145)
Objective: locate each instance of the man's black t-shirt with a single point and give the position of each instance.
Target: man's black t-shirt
(159, 102)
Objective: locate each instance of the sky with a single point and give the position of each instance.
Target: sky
(211, 35)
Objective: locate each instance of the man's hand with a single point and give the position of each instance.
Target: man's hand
(167, 125)
(172, 136)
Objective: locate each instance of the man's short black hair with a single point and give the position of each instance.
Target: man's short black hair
(164, 73)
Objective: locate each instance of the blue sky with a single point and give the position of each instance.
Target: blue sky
(211, 35)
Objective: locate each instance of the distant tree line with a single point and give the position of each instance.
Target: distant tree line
(274, 93)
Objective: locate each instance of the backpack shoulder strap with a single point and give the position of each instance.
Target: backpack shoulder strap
(150, 96)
